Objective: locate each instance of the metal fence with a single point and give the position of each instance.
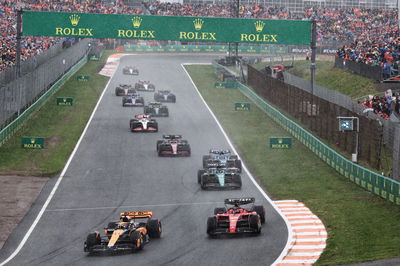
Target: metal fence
(372, 72)
(20, 93)
(389, 126)
(320, 116)
(30, 64)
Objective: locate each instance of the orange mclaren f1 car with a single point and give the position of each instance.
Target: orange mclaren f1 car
(131, 233)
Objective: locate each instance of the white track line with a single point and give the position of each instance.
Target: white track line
(27, 235)
(135, 206)
(290, 233)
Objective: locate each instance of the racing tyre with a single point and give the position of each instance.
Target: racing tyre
(233, 157)
(255, 223)
(137, 239)
(259, 209)
(199, 174)
(173, 99)
(203, 182)
(237, 180)
(158, 145)
(205, 159)
(93, 239)
(238, 165)
(164, 112)
(154, 228)
(111, 225)
(219, 210)
(211, 226)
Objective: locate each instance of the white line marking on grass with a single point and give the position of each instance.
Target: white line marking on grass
(49, 198)
(290, 233)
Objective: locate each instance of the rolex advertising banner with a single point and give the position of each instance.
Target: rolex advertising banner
(84, 25)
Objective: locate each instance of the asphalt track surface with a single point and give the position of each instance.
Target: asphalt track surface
(115, 170)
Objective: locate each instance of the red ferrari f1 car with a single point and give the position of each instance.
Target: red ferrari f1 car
(173, 146)
(235, 218)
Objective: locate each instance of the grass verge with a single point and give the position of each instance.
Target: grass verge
(345, 82)
(361, 226)
(61, 126)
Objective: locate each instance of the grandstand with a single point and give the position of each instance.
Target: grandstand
(296, 6)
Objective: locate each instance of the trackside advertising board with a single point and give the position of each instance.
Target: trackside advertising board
(85, 25)
(280, 142)
(32, 143)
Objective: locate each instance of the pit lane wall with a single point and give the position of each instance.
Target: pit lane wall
(7, 132)
(377, 184)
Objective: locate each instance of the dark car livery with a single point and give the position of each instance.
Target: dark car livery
(143, 123)
(173, 146)
(219, 177)
(133, 100)
(239, 216)
(156, 109)
(164, 96)
(124, 89)
(222, 157)
(131, 233)
(145, 85)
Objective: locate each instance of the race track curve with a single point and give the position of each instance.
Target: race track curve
(115, 170)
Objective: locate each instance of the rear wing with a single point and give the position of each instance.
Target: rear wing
(136, 215)
(214, 151)
(172, 136)
(164, 91)
(239, 201)
(155, 103)
(142, 116)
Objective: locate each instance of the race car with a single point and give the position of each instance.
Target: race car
(130, 70)
(219, 177)
(222, 157)
(173, 145)
(156, 109)
(133, 100)
(124, 89)
(144, 85)
(131, 233)
(143, 123)
(235, 218)
(164, 96)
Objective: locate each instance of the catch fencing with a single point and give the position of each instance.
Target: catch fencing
(372, 72)
(388, 125)
(320, 116)
(20, 93)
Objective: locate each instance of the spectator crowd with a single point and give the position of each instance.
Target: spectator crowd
(382, 106)
(366, 35)
(31, 46)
